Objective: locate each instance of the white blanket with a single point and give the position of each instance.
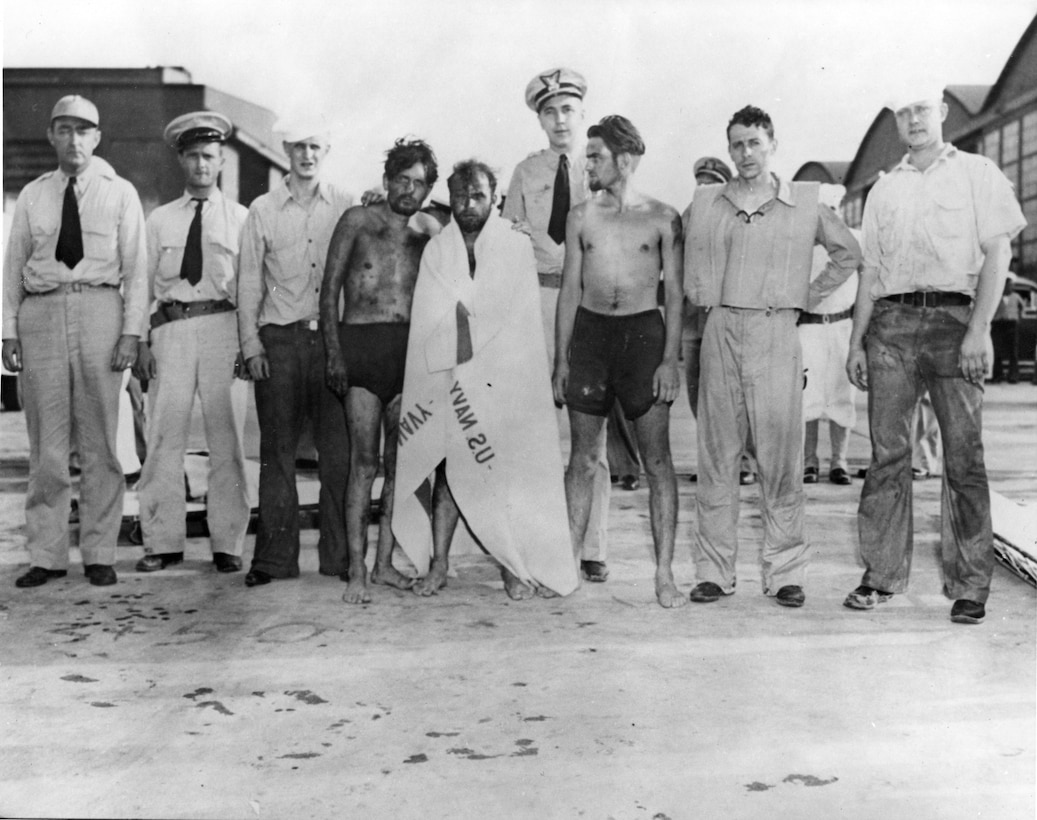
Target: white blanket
(492, 417)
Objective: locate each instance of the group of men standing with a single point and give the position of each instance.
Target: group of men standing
(425, 335)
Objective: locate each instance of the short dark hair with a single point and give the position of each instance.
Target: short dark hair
(406, 153)
(751, 116)
(468, 171)
(619, 135)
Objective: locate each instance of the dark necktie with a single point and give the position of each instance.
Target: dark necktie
(70, 237)
(191, 267)
(560, 203)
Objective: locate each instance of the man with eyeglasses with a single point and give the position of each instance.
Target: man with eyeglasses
(937, 243)
(748, 255)
(373, 260)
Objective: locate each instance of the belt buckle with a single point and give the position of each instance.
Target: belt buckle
(75, 287)
(825, 318)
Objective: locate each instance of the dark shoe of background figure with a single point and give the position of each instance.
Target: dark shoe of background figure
(100, 575)
(693, 477)
(790, 595)
(629, 482)
(968, 612)
(810, 475)
(706, 593)
(37, 576)
(745, 478)
(159, 560)
(225, 562)
(595, 571)
(839, 476)
(256, 578)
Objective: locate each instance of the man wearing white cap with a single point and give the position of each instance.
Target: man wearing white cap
(283, 251)
(544, 187)
(192, 270)
(937, 234)
(74, 301)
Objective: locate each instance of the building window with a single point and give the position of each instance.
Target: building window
(1030, 133)
(1010, 142)
(992, 145)
(1028, 188)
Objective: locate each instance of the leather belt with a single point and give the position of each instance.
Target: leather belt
(824, 318)
(550, 280)
(173, 311)
(929, 298)
(71, 287)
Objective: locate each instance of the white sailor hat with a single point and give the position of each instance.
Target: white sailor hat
(198, 126)
(553, 82)
(296, 129)
(75, 106)
(912, 92)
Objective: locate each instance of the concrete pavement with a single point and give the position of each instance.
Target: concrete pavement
(185, 694)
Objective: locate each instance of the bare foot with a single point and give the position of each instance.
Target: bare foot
(516, 590)
(667, 593)
(391, 577)
(356, 592)
(544, 592)
(431, 583)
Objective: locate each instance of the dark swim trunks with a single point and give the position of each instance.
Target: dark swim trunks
(375, 357)
(614, 357)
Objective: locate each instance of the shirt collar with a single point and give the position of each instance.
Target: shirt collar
(945, 154)
(186, 200)
(96, 167)
(784, 193)
(283, 194)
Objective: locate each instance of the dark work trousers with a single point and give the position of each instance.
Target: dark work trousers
(294, 393)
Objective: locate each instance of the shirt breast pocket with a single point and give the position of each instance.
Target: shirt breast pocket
(949, 216)
(539, 197)
(98, 239)
(42, 226)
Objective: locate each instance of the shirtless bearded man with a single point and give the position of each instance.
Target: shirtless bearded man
(611, 341)
(374, 255)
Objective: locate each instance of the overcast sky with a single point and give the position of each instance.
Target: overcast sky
(454, 72)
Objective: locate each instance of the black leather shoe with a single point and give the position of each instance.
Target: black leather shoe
(595, 571)
(791, 595)
(630, 482)
(100, 575)
(839, 476)
(225, 562)
(158, 560)
(810, 475)
(38, 576)
(257, 578)
(706, 593)
(745, 478)
(965, 611)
